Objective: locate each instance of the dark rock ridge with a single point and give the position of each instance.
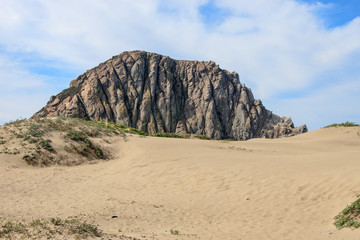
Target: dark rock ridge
(155, 93)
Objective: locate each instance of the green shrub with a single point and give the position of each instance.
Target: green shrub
(228, 140)
(89, 146)
(99, 153)
(84, 229)
(16, 151)
(346, 124)
(56, 221)
(35, 130)
(202, 137)
(45, 144)
(76, 136)
(32, 140)
(44, 229)
(37, 222)
(167, 135)
(134, 131)
(349, 217)
(174, 232)
(9, 227)
(16, 122)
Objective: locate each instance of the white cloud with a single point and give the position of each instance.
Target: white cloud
(13, 76)
(22, 92)
(17, 105)
(332, 104)
(288, 49)
(276, 46)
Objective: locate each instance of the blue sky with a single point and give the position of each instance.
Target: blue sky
(337, 13)
(301, 58)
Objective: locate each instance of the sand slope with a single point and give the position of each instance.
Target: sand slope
(288, 188)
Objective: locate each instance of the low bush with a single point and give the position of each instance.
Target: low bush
(167, 135)
(45, 144)
(202, 137)
(349, 217)
(345, 124)
(45, 229)
(89, 146)
(174, 232)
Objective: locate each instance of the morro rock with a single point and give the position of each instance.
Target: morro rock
(155, 93)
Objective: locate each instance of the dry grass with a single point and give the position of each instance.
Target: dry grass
(62, 141)
(53, 228)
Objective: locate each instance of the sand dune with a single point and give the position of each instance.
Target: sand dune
(289, 188)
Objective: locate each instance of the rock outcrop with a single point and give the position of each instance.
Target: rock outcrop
(155, 93)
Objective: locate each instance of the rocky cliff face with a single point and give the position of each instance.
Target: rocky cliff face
(155, 93)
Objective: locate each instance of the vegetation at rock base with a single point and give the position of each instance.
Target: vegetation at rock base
(118, 128)
(228, 140)
(203, 137)
(349, 217)
(167, 135)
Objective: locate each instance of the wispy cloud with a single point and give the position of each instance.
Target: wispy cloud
(14, 77)
(332, 104)
(280, 48)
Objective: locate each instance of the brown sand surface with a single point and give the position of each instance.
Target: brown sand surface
(289, 188)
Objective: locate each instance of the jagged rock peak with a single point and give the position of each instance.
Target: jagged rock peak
(155, 93)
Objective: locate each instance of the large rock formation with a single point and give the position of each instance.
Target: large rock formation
(155, 93)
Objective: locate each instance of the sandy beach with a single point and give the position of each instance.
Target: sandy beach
(287, 188)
